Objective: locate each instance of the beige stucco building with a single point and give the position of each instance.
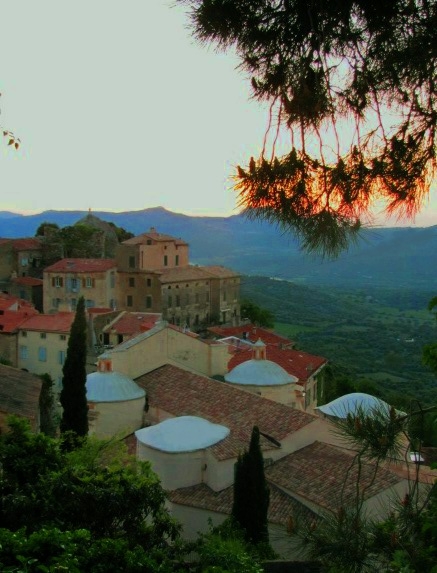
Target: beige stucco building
(69, 279)
(167, 344)
(42, 344)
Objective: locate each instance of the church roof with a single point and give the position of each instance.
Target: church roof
(353, 403)
(111, 387)
(259, 373)
(182, 434)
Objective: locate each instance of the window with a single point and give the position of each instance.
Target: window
(187, 299)
(132, 262)
(112, 280)
(148, 301)
(149, 282)
(178, 300)
(148, 242)
(170, 301)
(56, 302)
(129, 300)
(42, 354)
(89, 303)
(23, 352)
(57, 282)
(165, 260)
(89, 282)
(62, 337)
(176, 260)
(74, 284)
(24, 333)
(224, 295)
(43, 335)
(207, 296)
(24, 261)
(131, 281)
(61, 357)
(196, 298)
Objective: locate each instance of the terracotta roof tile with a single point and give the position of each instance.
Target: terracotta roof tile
(253, 333)
(324, 475)
(19, 393)
(129, 323)
(27, 281)
(281, 507)
(180, 392)
(221, 272)
(180, 274)
(27, 244)
(11, 320)
(60, 322)
(295, 362)
(81, 266)
(154, 236)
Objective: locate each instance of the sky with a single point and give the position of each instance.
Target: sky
(118, 109)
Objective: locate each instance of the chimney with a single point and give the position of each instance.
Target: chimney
(259, 350)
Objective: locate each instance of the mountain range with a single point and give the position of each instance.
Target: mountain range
(396, 257)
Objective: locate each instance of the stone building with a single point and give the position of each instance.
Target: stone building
(154, 275)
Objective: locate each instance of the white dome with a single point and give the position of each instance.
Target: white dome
(352, 403)
(182, 434)
(259, 373)
(111, 387)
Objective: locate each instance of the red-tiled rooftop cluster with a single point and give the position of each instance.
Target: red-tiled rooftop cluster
(325, 475)
(180, 393)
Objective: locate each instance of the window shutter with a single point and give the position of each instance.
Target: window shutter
(53, 281)
(61, 281)
(94, 282)
(84, 283)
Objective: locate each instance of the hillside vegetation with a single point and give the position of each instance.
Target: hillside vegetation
(375, 334)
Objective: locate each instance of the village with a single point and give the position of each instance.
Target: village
(178, 373)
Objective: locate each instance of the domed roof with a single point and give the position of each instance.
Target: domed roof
(182, 434)
(353, 403)
(259, 373)
(111, 387)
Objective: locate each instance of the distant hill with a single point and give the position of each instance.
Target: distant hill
(388, 257)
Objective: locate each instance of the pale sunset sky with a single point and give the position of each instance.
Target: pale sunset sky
(118, 109)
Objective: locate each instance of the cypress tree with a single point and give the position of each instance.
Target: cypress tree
(73, 394)
(251, 493)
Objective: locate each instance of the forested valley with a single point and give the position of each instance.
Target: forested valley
(370, 334)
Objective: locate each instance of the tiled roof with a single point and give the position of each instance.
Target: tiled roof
(129, 323)
(60, 322)
(183, 393)
(10, 320)
(193, 272)
(253, 333)
(81, 266)
(281, 506)
(295, 362)
(8, 301)
(26, 244)
(27, 281)
(324, 475)
(154, 236)
(23, 244)
(180, 274)
(221, 272)
(19, 392)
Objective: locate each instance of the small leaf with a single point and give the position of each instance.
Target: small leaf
(11, 141)
(17, 145)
